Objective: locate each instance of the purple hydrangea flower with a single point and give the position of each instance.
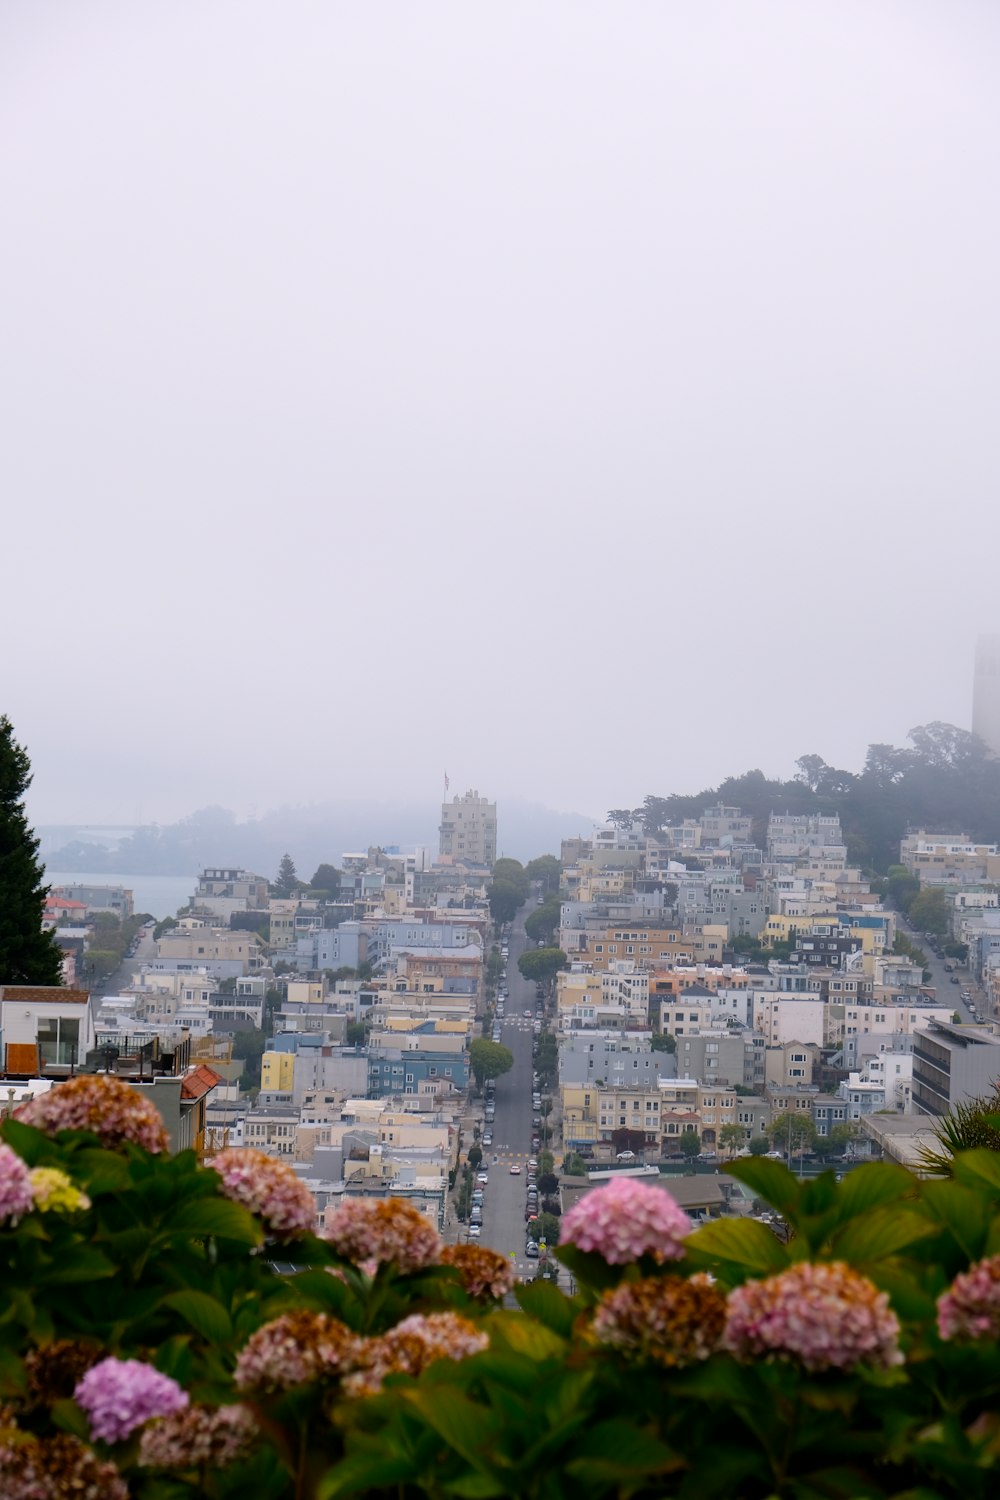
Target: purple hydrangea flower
(118, 1395)
(17, 1196)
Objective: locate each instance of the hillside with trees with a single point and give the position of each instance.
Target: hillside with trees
(946, 780)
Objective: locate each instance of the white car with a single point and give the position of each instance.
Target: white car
(483, 1177)
(475, 1230)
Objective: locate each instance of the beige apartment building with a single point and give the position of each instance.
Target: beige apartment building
(649, 947)
(468, 831)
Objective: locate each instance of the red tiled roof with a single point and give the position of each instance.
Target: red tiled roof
(64, 904)
(44, 994)
(199, 1082)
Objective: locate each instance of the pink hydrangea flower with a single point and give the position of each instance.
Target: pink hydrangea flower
(17, 1196)
(626, 1219)
(118, 1395)
(269, 1188)
(297, 1347)
(970, 1308)
(201, 1437)
(101, 1103)
(825, 1316)
(411, 1346)
(373, 1231)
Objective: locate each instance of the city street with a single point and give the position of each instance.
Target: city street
(504, 1226)
(947, 993)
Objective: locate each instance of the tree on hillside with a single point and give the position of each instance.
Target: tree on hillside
(326, 878)
(547, 869)
(28, 955)
(663, 1041)
(489, 1059)
(513, 871)
(621, 817)
(286, 881)
(545, 1227)
(542, 964)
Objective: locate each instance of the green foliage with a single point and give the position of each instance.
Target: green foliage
(792, 1131)
(356, 1034)
(732, 1137)
(543, 923)
(663, 1041)
(948, 776)
(573, 1165)
(506, 900)
(489, 1059)
(759, 1145)
(689, 1143)
(161, 1264)
(542, 964)
(327, 879)
(547, 869)
(28, 955)
(164, 926)
(930, 910)
(545, 1227)
(286, 882)
(474, 1157)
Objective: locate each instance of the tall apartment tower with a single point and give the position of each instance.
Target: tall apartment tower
(469, 829)
(986, 692)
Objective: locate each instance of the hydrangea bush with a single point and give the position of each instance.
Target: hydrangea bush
(151, 1348)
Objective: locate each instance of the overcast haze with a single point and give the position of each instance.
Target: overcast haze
(584, 399)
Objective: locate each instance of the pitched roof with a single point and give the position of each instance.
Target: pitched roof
(199, 1082)
(44, 994)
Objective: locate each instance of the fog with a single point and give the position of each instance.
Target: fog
(583, 400)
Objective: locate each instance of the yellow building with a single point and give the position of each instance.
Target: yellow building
(277, 1071)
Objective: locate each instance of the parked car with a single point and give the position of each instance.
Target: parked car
(531, 1250)
(483, 1177)
(475, 1230)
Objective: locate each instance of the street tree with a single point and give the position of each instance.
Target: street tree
(548, 1182)
(543, 922)
(542, 964)
(759, 1145)
(792, 1131)
(663, 1041)
(28, 954)
(929, 910)
(546, 869)
(475, 1156)
(545, 1227)
(690, 1144)
(574, 1165)
(621, 818)
(489, 1059)
(506, 900)
(732, 1137)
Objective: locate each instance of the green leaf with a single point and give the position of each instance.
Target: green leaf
(589, 1268)
(365, 1472)
(103, 1171)
(526, 1337)
(879, 1233)
(30, 1144)
(961, 1211)
(770, 1180)
(620, 1449)
(464, 1425)
(742, 1241)
(203, 1312)
(978, 1166)
(479, 1487)
(872, 1185)
(214, 1216)
(83, 1264)
(548, 1306)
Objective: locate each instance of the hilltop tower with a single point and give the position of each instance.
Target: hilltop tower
(469, 829)
(986, 692)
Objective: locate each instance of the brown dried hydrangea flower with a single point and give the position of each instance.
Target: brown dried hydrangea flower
(484, 1272)
(54, 1370)
(664, 1318)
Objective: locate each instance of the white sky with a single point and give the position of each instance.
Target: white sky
(586, 399)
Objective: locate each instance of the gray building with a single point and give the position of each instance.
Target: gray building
(723, 1057)
(986, 692)
(585, 1058)
(953, 1065)
(343, 947)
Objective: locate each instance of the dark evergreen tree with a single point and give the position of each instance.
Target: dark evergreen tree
(28, 955)
(287, 881)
